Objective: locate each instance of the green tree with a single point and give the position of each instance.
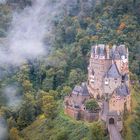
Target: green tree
(76, 76)
(66, 91)
(91, 105)
(96, 131)
(49, 106)
(26, 115)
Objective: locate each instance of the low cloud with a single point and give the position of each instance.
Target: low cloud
(3, 1)
(12, 95)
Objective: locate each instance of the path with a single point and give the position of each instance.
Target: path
(114, 133)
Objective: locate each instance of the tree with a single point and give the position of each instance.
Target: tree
(26, 115)
(54, 93)
(62, 135)
(49, 106)
(84, 45)
(66, 91)
(136, 123)
(96, 131)
(76, 76)
(11, 123)
(14, 134)
(91, 105)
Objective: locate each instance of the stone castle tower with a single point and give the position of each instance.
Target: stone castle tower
(108, 84)
(108, 75)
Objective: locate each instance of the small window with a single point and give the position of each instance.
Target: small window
(106, 82)
(123, 78)
(76, 106)
(92, 81)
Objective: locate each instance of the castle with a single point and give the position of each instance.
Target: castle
(108, 84)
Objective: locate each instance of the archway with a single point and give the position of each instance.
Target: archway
(111, 121)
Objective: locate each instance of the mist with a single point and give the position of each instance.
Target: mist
(29, 27)
(3, 1)
(3, 129)
(31, 31)
(13, 96)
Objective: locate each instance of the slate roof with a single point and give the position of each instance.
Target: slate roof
(116, 52)
(99, 49)
(102, 49)
(122, 50)
(113, 71)
(81, 90)
(126, 77)
(116, 55)
(122, 90)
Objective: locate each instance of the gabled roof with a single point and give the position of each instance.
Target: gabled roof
(81, 90)
(113, 71)
(122, 90)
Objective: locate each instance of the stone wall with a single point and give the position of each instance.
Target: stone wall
(90, 116)
(81, 114)
(112, 84)
(74, 113)
(116, 104)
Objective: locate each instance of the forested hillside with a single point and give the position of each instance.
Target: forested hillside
(31, 95)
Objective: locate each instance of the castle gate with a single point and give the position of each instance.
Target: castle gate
(111, 121)
(111, 118)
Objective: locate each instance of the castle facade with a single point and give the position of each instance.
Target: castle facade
(108, 84)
